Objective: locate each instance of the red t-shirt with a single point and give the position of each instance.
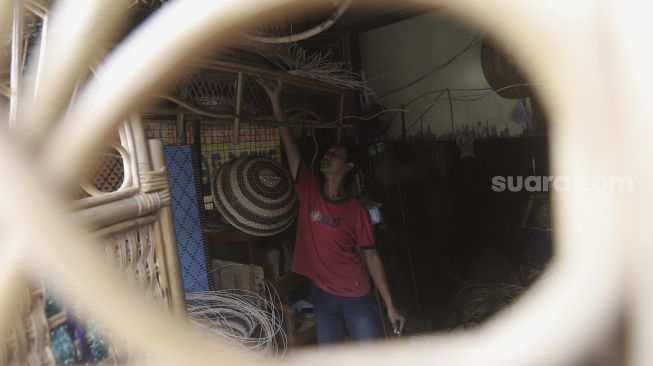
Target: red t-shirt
(329, 234)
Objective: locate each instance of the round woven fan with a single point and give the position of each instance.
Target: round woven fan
(255, 194)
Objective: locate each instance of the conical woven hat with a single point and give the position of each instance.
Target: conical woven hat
(256, 195)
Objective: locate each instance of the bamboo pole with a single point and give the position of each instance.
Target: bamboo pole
(366, 95)
(144, 162)
(102, 199)
(181, 129)
(342, 8)
(37, 8)
(185, 106)
(314, 123)
(59, 66)
(165, 276)
(117, 211)
(125, 225)
(12, 284)
(17, 50)
(5, 24)
(341, 114)
(249, 70)
(173, 267)
(239, 98)
(42, 51)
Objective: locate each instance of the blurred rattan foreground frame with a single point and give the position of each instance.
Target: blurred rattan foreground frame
(590, 60)
(134, 225)
(142, 203)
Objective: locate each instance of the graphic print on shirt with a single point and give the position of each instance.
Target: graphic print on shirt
(317, 216)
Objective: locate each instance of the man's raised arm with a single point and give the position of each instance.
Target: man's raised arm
(273, 90)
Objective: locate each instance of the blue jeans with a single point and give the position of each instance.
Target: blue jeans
(337, 316)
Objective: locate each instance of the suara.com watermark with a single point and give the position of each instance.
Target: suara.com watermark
(613, 184)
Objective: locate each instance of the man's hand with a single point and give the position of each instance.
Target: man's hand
(272, 88)
(375, 267)
(397, 319)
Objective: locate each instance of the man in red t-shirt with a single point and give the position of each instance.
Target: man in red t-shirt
(332, 231)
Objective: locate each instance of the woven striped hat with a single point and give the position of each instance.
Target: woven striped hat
(255, 194)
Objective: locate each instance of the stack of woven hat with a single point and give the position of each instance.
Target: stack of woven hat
(255, 194)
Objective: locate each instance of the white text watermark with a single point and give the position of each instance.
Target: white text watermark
(535, 184)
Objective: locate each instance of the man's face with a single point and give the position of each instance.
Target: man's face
(334, 161)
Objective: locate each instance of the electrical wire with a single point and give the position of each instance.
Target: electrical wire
(434, 71)
(439, 90)
(389, 123)
(425, 108)
(397, 110)
(463, 98)
(450, 99)
(337, 123)
(430, 105)
(477, 97)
